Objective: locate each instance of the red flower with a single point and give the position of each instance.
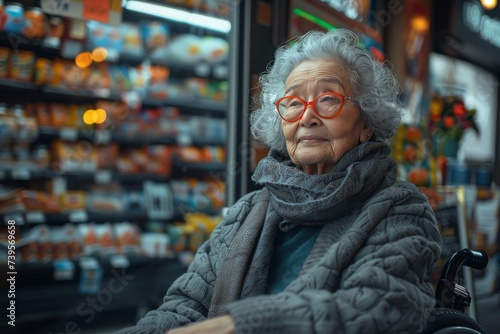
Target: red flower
(459, 110)
(449, 121)
(449, 115)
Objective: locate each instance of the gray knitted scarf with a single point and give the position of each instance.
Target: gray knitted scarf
(296, 198)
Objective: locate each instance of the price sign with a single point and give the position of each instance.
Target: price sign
(96, 10)
(102, 136)
(119, 261)
(107, 11)
(78, 217)
(63, 270)
(68, 134)
(21, 174)
(202, 70)
(35, 217)
(103, 177)
(57, 7)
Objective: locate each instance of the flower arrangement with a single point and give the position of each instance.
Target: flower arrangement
(450, 118)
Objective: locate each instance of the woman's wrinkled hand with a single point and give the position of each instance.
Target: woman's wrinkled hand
(219, 325)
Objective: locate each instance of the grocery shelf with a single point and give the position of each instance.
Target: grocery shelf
(167, 115)
(16, 85)
(191, 106)
(99, 176)
(77, 216)
(105, 176)
(107, 136)
(53, 289)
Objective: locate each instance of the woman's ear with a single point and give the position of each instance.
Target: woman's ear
(365, 134)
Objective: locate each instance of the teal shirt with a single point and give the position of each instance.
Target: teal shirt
(290, 252)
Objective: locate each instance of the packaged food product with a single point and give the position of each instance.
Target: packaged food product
(3, 16)
(54, 30)
(8, 124)
(73, 200)
(15, 17)
(132, 40)
(106, 36)
(4, 60)
(34, 21)
(58, 115)
(156, 245)
(74, 156)
(42, 113)
(43, 71)
(127, 237)
(155, 34)
(21, 65)
(39, 201)
(41, 156)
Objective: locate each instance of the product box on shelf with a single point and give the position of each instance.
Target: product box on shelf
(74, 156)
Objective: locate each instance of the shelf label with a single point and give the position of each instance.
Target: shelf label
(103, 177)
(57, 7)
(35, 217)
(119, 261)
(102, 136)
(221, 71)
(202, 70)
(18, 218)
(68, 134)
(21, 174)
(78, 216)
(96, 10)
(108, 11)
(64, 270)
(89, 263)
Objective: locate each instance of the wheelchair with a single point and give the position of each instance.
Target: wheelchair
(452, 299)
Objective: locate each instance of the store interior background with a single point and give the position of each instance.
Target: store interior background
(124, 135)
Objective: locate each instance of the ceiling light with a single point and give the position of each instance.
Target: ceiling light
(179, 15)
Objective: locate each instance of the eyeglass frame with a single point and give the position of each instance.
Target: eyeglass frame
(343, 98)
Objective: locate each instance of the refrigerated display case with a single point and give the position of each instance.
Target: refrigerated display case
(115, 165)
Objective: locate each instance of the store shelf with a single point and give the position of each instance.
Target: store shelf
(190, 106)
(53, 289)
(98, 177)
(40, 294)
(200, 70)
(198, 167)
(80, 216)
(16, 85)
(106, 136)
(8, 39)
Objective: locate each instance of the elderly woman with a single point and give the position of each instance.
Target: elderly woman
(332, 243)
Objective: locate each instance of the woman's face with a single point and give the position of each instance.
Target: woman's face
(315, 143)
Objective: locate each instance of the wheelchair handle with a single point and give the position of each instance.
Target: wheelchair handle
(467, 257)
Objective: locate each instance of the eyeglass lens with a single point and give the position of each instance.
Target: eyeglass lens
(326, 105)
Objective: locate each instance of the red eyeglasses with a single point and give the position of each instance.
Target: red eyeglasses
(327, 105)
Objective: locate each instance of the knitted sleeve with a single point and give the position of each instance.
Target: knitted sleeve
(384, 288)
(188, 298)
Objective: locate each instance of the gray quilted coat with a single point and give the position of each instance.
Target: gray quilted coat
(368, 272)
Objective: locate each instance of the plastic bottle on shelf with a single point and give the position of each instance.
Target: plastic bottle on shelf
(15, 17)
